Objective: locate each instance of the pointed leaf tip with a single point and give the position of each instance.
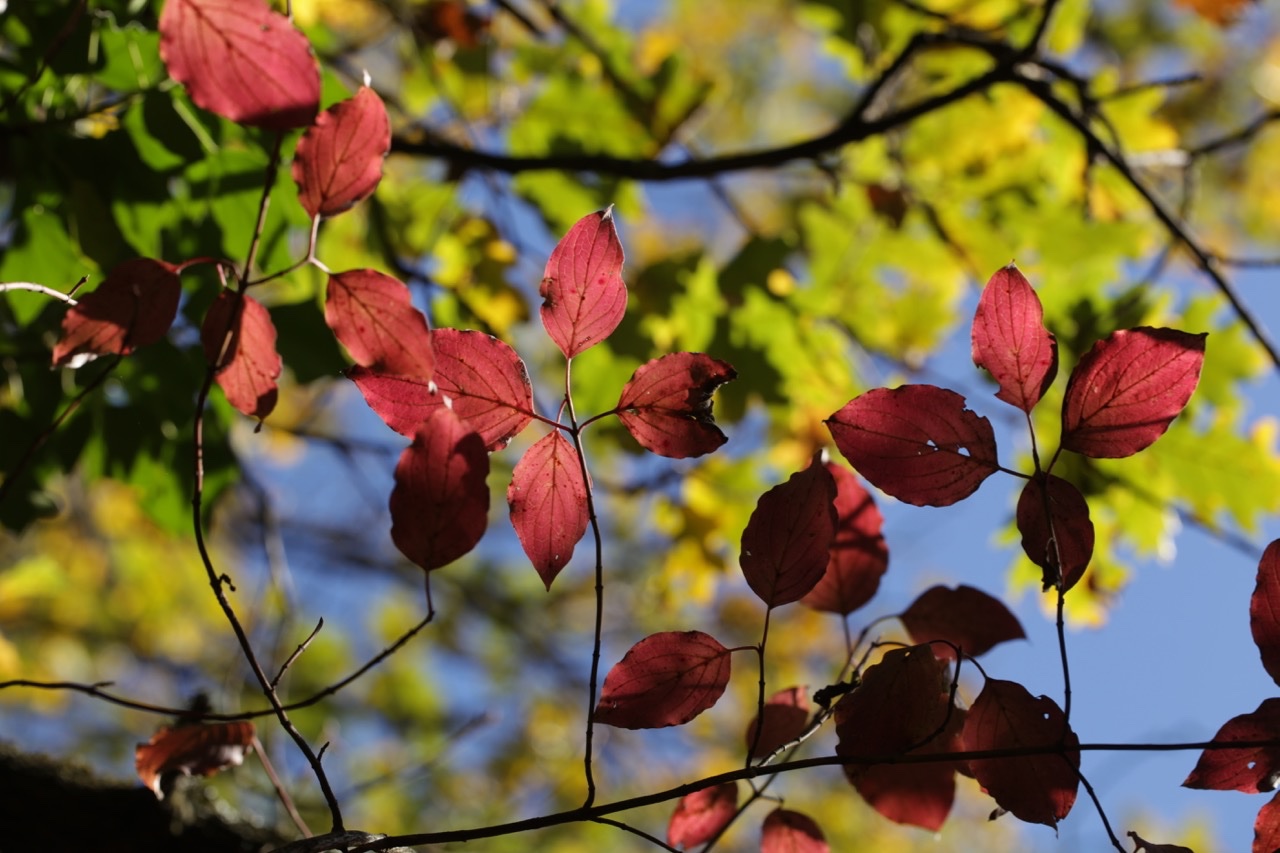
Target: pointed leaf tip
(583, 295)
(787, 541)
(666, 405)
(548, 503)
(666, 679)
(1010, 341)
(248, 368)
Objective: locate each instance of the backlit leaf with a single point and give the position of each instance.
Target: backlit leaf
(1264, 610)
(666, 679)
(583, 296)
(786, 716)
(249, 365)
(787, 542)
(1221, 12)
(1010, 341)
(1037, 788)
(1266, 828)
(200, 749)
(902, 706)
(1128, 388)
(371, 314)
(791, 832)
(859, 556)
(918, 443)
(241, 60)
(702, 814)
(338, 161)
(1253, 769)
(440, 503)
(965, 616)
(1070, 537)
(666, 405)
(548, 501)
(133, 307)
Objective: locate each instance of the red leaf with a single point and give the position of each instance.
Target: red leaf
(1128, 388)
(859, 556)
(1074, 530)
(452, 20)
(791, 832)
(1035, 788)
(965, 616)
(371, 314)
(440, 503)
(701, 815)
(1144, 846)
(339, 159)
(918, 443)
(1253, 769)
(241, 60)
(548, 501)
(133, 307)
(1266, 828)
(1011, 342)
(786, 716)
(666, 679)
(583, 297)
(485, 379)
(902, 707)
(248, 369)
(666, 405)
(1264, 610)
(787, 542)
(192, 750)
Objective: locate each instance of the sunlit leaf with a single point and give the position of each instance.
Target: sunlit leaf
(239, 338)
(338, 161)
(666, 405)
(548, 501)
(192, 750)
(666, 679)
(787, 542)
(583, 296)
(1010, 341)
(791, 832)
(701, 815)
(372, 315)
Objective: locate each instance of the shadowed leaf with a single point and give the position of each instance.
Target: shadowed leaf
(1253, 769)
(965, 616)
(1264, 610)
(791, 832)
(1070, 536)
(1144, 846)
(859, 555)
(133, 307)
(786, 716)
(250, 365)
(666, 679)
(787, 542)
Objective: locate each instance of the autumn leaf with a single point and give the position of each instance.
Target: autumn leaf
(1010, 341)
(1253, 769)
(701, 815)
(338, 161)
(1264, 610)
(583, 296)
(133, 307)
(1266, 828)
(859, 555)
(249, 365)
(372, 316)
(786, 716)
(965, 616)
(787, 542)
(548, 503)
(666, 679)
(192, 750)
(666, 405)
(791, 832)
(1053, 518)
(1144, 846)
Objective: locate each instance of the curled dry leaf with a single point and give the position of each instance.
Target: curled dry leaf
(338, 161)
(791, 832)
(548, 502)
(787, 542)
(1144, 846)
(583, 296)
(1264, 610)
(786, 716)
(242, 61)
(700, 816)
(666, 679)
(666, 405)
(372, 316)
(247, 362)
(133, 307)
(964, 616)
(198, 749)
(859, 555)
(1252, 769)
(1045, 499)
(1010, 341)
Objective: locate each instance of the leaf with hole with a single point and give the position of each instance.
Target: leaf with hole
(1252, 769)
(666, 405)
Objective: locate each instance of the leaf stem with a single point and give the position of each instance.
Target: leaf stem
(755, 740)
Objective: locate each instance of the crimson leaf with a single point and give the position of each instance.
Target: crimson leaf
(1253, 769)
(786, 716)
(192, 750)
(859, 556)
(249, 365)
(241, 60)
(548, 501)
(338, 161)
(903, 705)
(918, 443)
(666, 679)
(1038, 788)
(787, 542)
(965, 616)
(371, 314)
(583, 296)
(791, 832)
(1266, 828)
(440, 503)
(1010, 341)
(1128, 388)
(700, 816)
(133, 307)
(1070, 536)
(1264, 610)
(666, 405)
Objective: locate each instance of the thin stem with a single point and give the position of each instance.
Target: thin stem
(281, 793)
(654, 840)
(273, 166)
(755, 740)
(1097, 804)
(302, 647)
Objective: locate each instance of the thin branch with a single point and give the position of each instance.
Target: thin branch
(302, 647)
(608, 821)
(1102, 813)
(281, 793)
(37, 288)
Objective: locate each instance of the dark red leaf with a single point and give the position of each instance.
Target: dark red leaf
(902, 706)
(1035, 788)
(338, 161)
(248, 364)
(787, 542)
(483, 377)
(859, 556)
(918, 443)
(965, 616)
(1144, 846)
(241, 60)
(1266, 828)
(1264, 610)
(666, 405)
(583, 297)
(450, 20)
(701, 815)
(440, 503)
(1071, 534)
(192, 750)
(371, 314)
(1253, 769)
(786, 716)
(1011, 342)
(791, 832)
(133, 307)
(1128, 388)
(666, 679)
(548, 501)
